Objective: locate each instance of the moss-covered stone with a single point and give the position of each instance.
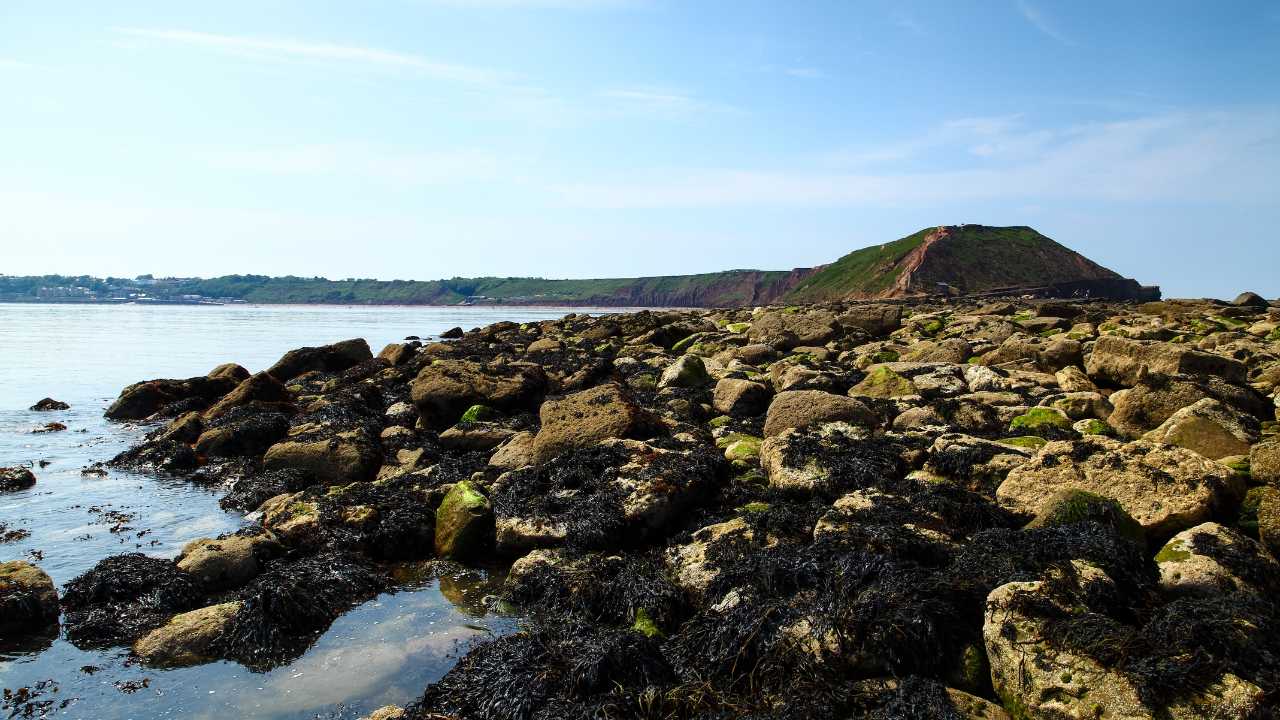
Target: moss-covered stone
(883, 382)
(478, 413)
(1094, 426)
(752, 508)
(1041, 420)
(745, 449)
(1032, 442)
(645, 625)
(738, 328)
(719, 421)
(464, 522)
(1072, 506)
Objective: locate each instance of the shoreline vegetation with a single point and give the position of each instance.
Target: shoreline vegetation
(946, 260)
(978, 509)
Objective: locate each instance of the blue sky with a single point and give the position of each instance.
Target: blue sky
(578, 138)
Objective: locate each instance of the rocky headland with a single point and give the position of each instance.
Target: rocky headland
(969, 508)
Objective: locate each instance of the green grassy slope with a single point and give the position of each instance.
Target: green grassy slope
(867, 271)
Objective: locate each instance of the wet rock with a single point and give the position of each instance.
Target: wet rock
(737, 397)
(231, 371)
(249, 435)
(452, 333)
(49, 404)
(1119, 361)
(187, 637)
(227, 562)
(687, 371)
(464, 523)
(263, 388)
(123, 597)
(804, 408)
(1210, 559)
(445, 389)
(16, 478)
(1165, 488)
(292, 517)
(325, 358)
(1210, 428)
(585, 418)
(690, 565)
(145, 399)
(184, 429)
(977, 463)
(50, 427)
(28, 599)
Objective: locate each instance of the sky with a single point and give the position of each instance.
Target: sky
(422, 139)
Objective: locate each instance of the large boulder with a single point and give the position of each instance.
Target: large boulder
(1210, 428)
(464, 523)
(250, 435)
(325, 358)
(445, 389)
(790, 328)
(827, 459)
(28, 599)
(1210, 559)
(688, 371)
(737, 397)
(187, 637)
(803, 408)
(883, 382)
(1036, 676)
(141, 400)
(875, 320)
(16, 478)
(349, 456)
(228, 562)
(1119, 361)
(1264, 462)
(1165, 488)
(262, 387)
(1155, 398)
(585, 418)
(1251, 300)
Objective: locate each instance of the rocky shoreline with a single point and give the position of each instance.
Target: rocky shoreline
(1026, 509)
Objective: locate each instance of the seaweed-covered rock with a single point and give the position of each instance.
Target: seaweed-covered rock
(16, 478)
(1210, 559)
(49, 404)
(1165, 488)
(883, 382)
(187, 637)
(464, 523)
(262, 388)
(1210, 428)
(1264, 462)
(1070, 506)
(226, 562)
(145, 399)
(28, 599)
(123, 597)
(831, 458)
(585, 418)
(325, 358)
(443, 390)
(349, 456)
(738, 397)
(804, 408)
(292, 517)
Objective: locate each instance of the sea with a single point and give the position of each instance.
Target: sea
(384, 651)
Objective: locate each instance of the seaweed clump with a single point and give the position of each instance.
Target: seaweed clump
(124, 596)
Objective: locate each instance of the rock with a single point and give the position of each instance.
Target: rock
(1264, 462)
(740, 398)
(1155, 398)
(250, 436)
(786, 329)
(49, 404)
(464, 523)
(803, 408)
(140, 401)
(515, 453)
(825, 458)
(16, 478)
(1209, 428)
(184, 429)
(401, 413)
(881, 382)
(1083, 405)
(1071, 506)
(452, 333)
(397, 354)
(225, 563)
(544, 345)
(346, 457)
(981, 378)
(292, 518)
(687, 371)
(1035, 678)
(1093, 426)
(28, 599)
(1119, 360)
(187, 637)
(1251, 300)
(1041, 421)
(445, 389)
(585, 418)
(875, 320)
(230, 371)
(50, 427)
(1073, 379)
(387, 712)
(1210, 559)
(474, 436)
(1165, 488)
(262, 387)
(325, 358)
(1269, 518)
(690, 566)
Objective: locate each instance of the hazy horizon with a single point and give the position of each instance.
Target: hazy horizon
(568, 139)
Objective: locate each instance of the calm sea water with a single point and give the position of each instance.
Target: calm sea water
(384, 651)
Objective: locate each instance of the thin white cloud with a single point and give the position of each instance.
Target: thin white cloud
(288, 49)
(1037, 19)
(1181, 157)
(663, 101)
(364, 161)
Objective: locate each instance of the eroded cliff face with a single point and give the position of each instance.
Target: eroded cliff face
(747, 288)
